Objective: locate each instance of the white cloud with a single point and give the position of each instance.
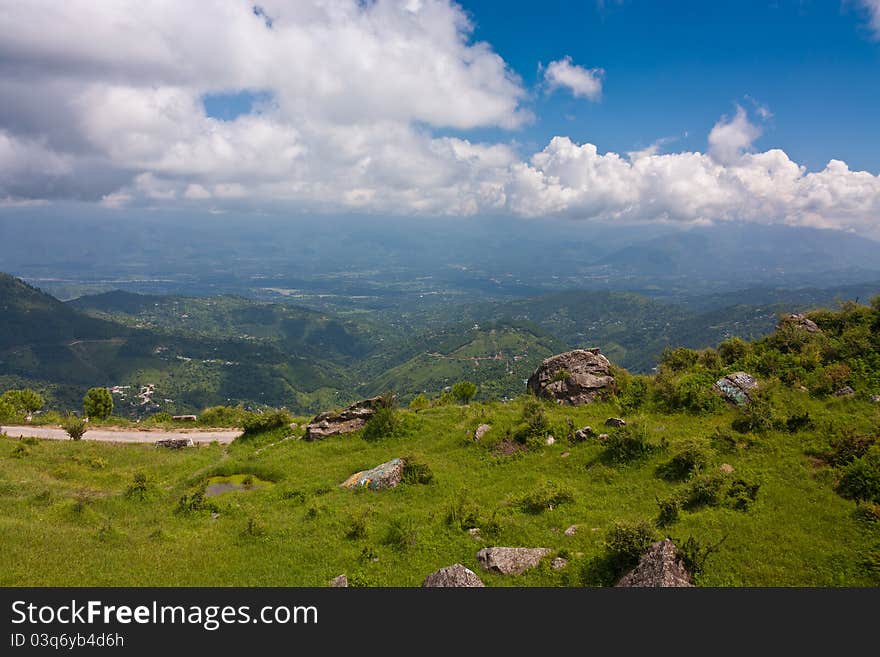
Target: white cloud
(103, 102)
(581, 82)
(730, 137)
(873, 9)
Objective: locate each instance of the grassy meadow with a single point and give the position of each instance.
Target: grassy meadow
(87, 513)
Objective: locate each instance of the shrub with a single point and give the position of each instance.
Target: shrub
(419, 403)
(732, 350)
(254, 529)
(690, 458)
(693, 554)
(75, 427)
(742, 493)
(161, 418)
(195, 503)
(22, 402)
(546, 497)
(704, 490)
(223, 416)
(260, 422)
(847, 447)
(401, 535)
(139, 488)
(384, 423)
(357, 526)
(860, 480)
(294, 495)
(669, 510)
(533, 426)
(560, 375)
(626, 542)
(679, 359)
(462, 512)
(757, 415)
(19, 451)
(464, 391)
(710, 360)
(799, 422)
(98, 403)
(691, 392)
(635, 395)
(415, 472)
(629, 443)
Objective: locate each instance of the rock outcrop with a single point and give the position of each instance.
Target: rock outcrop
(799, 321)
(845, 391)
(660, 566)
(339, 582)
(584, 434)
(510, 561)
(574, 377)
(350, 419)
(385, 475)
(455, 575)
(737, 388)
(175, 443)
(615, 422)
(481, 431)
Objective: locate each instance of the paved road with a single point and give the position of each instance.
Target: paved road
(123, 436)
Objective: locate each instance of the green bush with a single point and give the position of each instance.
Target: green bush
(691, 457)
(464, 391)
(139, 489)
(669, 511)
(860, 480)
(401, 535)
(704, 490)
(742, 493)
(635, 395)
(75, 427)
(694, 554)
(626, 542)
(260, 422)
(629, 443)
(732, 349)
(195, 503)
(533, 426)
(415, 472)
(462, 512)
(546, 497)
(21, 402)
(419, 403)
(223, 416)
(357, 526)
(560, 375)
(679, 359)
(384, 423)
(847, 447)
(98, 403)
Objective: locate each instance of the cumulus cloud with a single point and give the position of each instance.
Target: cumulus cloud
(873, 9)
(581, 82)
(730, 137)
(105, 102)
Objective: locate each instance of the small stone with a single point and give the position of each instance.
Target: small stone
(550, 440)
(875, 399)
(571, 531)
(726, 468)
(214, 515)
(558, 563)
(385, 475)
(615, 422)
(602, 437)
(481, 431)
(339, 582)
(475, 533)
(584, 434)
(845, 391)
(565, 455)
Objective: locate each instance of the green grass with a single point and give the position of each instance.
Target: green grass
(66, 520)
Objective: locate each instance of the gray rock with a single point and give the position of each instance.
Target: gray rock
(574, 377)
(845, 391)
(875, 399)
(339, 582)
(799, 321)
(737, 387)
(453, 576)
(474, 533)
(350, 419)
(726, 468)
(615, 422)
(660, 566)
(558, 563)
(481, 431)
(602, 437)
(584, 434)
(571, 531)
(184, 418)
(175, 443)
(549, 440)
(385, 475)
(510, 561)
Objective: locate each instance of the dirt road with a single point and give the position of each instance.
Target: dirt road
(123, 435)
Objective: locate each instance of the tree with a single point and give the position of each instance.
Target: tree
(464, 391)
(98, 403)
(23, 401)
(75, 427)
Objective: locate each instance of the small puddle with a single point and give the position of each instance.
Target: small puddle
(244, 482)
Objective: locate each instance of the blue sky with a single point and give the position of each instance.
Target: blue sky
(672, 68)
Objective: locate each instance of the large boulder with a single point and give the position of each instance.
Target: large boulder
(350, 419)
(737, 388)
(660, 566)
(453, 576)
(800, 322)
(386, 475)
(574, 377)
(510, 561)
